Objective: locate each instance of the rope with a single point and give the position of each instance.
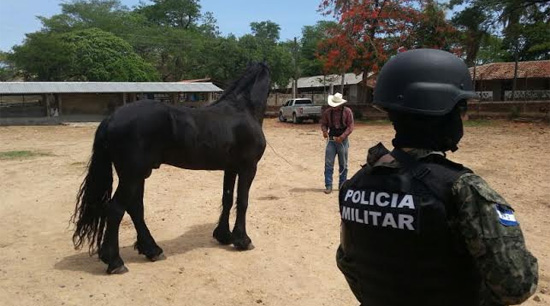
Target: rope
(344, 156)
(278, 154)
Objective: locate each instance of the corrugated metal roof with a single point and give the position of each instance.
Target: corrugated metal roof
(103, 87)
(505, 71)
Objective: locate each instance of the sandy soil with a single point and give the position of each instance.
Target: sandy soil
(293, 224)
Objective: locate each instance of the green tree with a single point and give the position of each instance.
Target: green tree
(312, 36)
(84, 55)
(176, 37)
(107, 15)
(491, 50)
(234, 56)
(472, 23)
(44, 56)
(266, 30)
(209, 25)
(183, 14)
(102, 56)
(432, 30)
(263, 44)
(523, 24)
(7, 71)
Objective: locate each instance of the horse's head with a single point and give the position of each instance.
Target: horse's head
(250, 90)
(259, 91)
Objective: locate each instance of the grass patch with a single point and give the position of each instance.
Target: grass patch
(21, 154)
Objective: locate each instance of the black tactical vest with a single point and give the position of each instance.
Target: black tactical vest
(333, 131)
(397, 246)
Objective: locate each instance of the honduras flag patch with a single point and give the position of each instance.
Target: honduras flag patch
(506, 215)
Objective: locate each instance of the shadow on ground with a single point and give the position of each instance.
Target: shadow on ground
(198, 237)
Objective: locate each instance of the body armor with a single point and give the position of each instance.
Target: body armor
(397, 242)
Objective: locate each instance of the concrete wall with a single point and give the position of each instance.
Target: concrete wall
(500, 87)
(509, 109)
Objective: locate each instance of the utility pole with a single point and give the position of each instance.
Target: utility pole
(295, 66)
(514, 82)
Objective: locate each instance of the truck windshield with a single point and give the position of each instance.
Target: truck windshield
(301, 102)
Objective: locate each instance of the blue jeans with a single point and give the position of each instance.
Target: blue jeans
(333, 149)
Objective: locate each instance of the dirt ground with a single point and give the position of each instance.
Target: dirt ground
(293, 224)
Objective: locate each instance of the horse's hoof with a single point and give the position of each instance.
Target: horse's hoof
(243, 245)
(118, 270)
(158, 257)
(223, 237)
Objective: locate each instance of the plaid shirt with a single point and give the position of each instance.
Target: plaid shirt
(336, 120)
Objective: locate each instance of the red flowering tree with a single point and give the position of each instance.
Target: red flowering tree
(370, 31)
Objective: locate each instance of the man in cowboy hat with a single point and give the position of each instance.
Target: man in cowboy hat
(336, 124)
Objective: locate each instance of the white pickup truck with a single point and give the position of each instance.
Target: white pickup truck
(299, 110)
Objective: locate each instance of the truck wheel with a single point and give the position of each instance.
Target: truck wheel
(281, 118)
(294, 119)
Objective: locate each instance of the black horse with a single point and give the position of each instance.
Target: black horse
(226, 135)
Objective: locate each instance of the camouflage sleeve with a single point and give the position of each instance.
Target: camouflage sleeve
(494, 239)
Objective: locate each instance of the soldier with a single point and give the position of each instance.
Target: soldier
(417, 228)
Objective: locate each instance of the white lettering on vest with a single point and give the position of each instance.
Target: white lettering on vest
(407, 201)
(406, 221)
(363, 200)
(394, 199)
(380, 202)
(356, 197)
(389, 221)
(346, 213)
(357, 217)
(399, 221)
(389, 217)
(348, 194)
(375, 215)
(381, 199)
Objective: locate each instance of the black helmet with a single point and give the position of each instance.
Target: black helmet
(423, 81)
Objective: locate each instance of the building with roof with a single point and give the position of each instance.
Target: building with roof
(47, 99)
(318, 87)
(494, 82)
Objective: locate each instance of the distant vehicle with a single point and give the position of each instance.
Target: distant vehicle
(299, 110)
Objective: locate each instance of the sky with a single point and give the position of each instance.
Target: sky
(18, 17)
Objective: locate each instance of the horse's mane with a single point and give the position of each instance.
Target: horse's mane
(243, 83)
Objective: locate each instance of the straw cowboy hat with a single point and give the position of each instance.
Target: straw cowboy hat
(336, 100)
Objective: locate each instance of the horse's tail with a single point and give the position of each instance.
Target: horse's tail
(94, 195)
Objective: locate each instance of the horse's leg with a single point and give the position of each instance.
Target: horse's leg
(240, 239)
(222, 232)
(129, 193)
(145, 243)
(126, 192)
